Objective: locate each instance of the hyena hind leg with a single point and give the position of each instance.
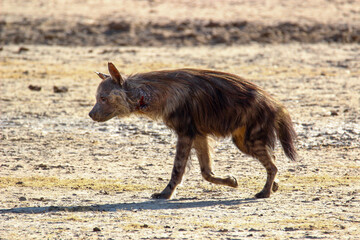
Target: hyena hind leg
(275, 185)
(263, 153)
(202, 151)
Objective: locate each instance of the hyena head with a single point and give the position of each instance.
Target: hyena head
(111, 99)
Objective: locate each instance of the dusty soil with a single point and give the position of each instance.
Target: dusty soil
(63, 176)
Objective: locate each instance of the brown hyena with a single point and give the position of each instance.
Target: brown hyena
(197, 103)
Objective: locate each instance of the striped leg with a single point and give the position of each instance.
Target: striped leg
(183, 148)
(259, 150)
(264, 155)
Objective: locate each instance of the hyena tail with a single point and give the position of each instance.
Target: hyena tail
(286, 133)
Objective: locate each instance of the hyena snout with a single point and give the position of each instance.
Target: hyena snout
(96, 115)
(101, 113)
(92, 114)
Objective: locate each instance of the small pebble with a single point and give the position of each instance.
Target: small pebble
(334, 113)
(23, 49)
(60, 89)
(34, 88)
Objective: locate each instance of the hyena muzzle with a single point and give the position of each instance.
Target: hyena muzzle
(196, 103)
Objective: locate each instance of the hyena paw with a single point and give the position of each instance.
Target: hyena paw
(232, 182)
(275, 186)
(160, 196)
(262, 194)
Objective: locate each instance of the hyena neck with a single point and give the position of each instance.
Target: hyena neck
(141, 101)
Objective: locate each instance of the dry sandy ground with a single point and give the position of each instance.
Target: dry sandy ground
(63, 176)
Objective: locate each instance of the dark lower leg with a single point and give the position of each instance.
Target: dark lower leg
(183, 148)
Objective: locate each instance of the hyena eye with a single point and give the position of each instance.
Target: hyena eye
(103, 99)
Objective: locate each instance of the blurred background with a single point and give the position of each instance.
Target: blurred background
(177, 22)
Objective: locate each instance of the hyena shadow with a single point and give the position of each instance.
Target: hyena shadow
(147, 205)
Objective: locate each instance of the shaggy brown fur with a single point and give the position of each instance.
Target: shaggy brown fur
(197, 103)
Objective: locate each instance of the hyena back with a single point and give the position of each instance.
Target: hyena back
(197, 103)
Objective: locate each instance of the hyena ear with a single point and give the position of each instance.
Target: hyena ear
(102, 75)
(115, 75)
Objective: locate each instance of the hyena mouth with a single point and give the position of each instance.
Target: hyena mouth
(105, 118)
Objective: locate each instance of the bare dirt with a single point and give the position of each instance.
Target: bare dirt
(63, 176)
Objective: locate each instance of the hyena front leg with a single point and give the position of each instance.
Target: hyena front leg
(183, 148)
(202, 152)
